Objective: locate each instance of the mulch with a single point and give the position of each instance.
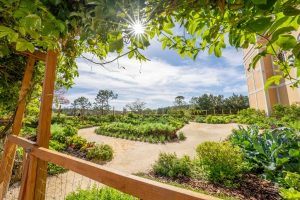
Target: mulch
(249, 187)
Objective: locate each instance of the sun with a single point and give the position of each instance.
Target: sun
(138, 28)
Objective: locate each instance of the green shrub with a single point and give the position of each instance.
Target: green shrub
(57, 146)
(286, 113)
(200, 119)
(210, 119)
(54, 169)
(169, 165)
(99, 194)
(181, 136)
(130, 131)
(76, 142)
(252, 116)
(272, 151)
(292, 180)
(60, 133)
(220, 162)
(101, 152)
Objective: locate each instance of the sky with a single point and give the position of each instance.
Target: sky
(158, 81)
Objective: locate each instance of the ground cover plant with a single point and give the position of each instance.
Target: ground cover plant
(104, 193)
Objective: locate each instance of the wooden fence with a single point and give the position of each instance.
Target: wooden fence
(130, 184)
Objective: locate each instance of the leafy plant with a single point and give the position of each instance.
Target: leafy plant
(76, 142)
(210, 119)
(220, 162)
(56, 145)
(200, 119)
(101, 152)
(292, 180)
(170, 165)
(272, 151)
(54, 169)
(181, 136)
(252, 116)
(104, 193)
(154, 131)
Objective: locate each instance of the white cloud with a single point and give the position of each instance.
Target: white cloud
(156, 82)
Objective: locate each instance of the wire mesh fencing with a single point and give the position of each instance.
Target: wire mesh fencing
(58, 186)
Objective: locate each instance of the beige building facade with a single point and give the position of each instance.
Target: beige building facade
(262, 99)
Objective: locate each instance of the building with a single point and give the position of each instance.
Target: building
(260, 98)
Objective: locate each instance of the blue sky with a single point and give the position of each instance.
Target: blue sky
(159, 81)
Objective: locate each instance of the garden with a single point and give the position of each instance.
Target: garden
(259, 160)
(249, 165)
(42, 43)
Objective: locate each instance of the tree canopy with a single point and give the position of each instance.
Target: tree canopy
(77, 28)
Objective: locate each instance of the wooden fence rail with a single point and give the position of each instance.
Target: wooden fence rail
(139, 187)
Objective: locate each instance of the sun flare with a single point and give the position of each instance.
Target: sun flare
(138, 28)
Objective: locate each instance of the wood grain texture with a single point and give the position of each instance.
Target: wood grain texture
(9, 152)
(43, 133)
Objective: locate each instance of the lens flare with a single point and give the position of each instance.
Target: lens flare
(137, 28)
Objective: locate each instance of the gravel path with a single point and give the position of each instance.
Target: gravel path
(131, 156)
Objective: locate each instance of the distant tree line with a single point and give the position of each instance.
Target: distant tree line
(204, 104)
(208, 104)
(219, 103)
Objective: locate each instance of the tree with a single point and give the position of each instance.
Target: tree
(236, 102)
(71, 28)
(83, 104)
(215, 104)
(137, 106)
(102, 100)
(60, 99)
(179, 101)
(208, 24)
(203, 102)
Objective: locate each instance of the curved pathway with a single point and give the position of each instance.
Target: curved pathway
(132, 156)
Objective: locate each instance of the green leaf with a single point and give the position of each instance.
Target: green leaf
(294, 153)
(131, 54)
(116, 45)
(273, 80)
(256, 59)
(296, 51)
(286, 42)
(280, 31)
(211, 49)
(23, 45)
(4, 31)
(260, 24)
(217, 51)
(32, 22)
(291, 11)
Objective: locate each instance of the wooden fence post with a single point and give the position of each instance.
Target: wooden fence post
(8, 157)
(44, 126)
(37, 174)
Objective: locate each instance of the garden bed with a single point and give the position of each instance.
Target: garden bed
(147, 132)
(250, 186)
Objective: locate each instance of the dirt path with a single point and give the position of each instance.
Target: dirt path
(131, 156)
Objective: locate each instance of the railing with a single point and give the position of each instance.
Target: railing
(130, 184)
